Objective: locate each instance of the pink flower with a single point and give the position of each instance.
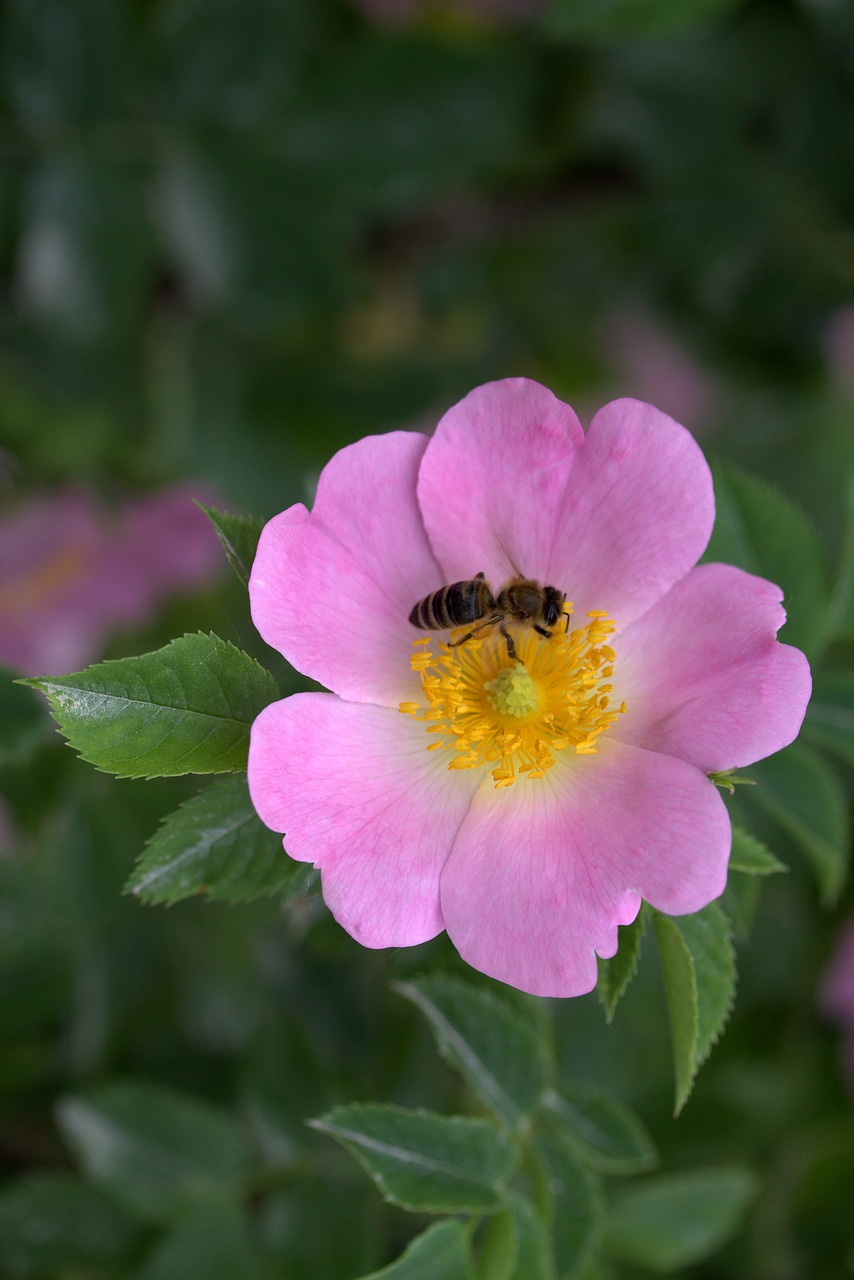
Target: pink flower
(836, 996)
(527, 807)
(71, 574)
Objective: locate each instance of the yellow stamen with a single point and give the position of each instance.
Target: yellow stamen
(517, 715)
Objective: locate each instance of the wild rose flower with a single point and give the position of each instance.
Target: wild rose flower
(526, 807)
(71, 574)
(836, 996)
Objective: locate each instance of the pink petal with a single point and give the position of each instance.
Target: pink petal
(542, 873)
(703, 677)
(492, 481)
(332, 589)
(637, 514)
(357, 793)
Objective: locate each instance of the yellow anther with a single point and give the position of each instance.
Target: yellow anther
(517, 715)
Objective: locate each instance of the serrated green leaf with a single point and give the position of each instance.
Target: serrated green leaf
(671, 1222)
(602, 1131)
(829, 721)
(577, 1210)
(23, 723)
(214, 844)
(803, 794)
(440, 1253)
(763, 531)
(239, 537)
(502, 1056)
(616, 974)
(58, 1221)
(214, 1240)
(186, 708)
(739, 902)
(698, 962)
(751, 856)
(153, 1149)
(426, 1162)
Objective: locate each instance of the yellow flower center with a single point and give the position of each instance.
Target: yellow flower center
(517, 714)
(35, 589)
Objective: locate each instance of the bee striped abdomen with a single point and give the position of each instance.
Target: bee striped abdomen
(455, 605)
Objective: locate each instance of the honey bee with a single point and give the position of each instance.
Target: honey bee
(520, 600)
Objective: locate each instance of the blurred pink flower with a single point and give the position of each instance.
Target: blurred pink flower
(836, 995)
(525, 807)
(839, 349)
(71, 574)
(837, 988)
(653, 365)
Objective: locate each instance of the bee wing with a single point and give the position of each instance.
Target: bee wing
(515, 571)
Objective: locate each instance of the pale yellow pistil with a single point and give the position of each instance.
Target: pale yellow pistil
(516, 715)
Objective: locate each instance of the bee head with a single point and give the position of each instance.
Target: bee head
(552, 605)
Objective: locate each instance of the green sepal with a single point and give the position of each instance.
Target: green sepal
(728, 780)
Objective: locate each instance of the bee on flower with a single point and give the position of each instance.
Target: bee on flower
(519, 778)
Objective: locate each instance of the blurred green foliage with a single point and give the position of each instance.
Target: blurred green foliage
(235, 235)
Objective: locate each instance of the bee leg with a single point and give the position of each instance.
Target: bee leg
(487, 622)
(542, 631)
(511, 648)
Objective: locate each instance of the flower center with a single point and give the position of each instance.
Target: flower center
(517, 714)
(35, 589)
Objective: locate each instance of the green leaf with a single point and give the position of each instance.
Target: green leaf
(803, 794)
(533, 1254)
(23, 723)
(830, 715)
(602, 1131)
(671, 1222)
(739, 902)
(440, 1253)
(698, 962)
(616, 974)
(54, 1222)
(214, 844)
(751, 856)
(514, 1244)
(501, 1055)
(214, 1240)
(619, 19)
(153, 1149)
(763, 531)
(426, 1162)
(497, 1245)
(186, 708)
(239, 537)
(576, 1208)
